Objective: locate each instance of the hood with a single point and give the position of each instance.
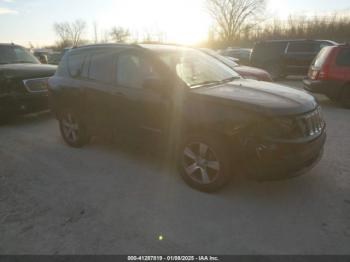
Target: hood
(24, 71)
(261, 97)
(251, 70)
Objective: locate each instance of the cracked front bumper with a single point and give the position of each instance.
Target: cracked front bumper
(274, 160)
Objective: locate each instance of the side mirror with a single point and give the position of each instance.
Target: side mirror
(154, 84)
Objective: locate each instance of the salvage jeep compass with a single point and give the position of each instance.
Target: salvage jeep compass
(212, 121)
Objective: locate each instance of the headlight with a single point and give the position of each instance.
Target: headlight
(37, 85)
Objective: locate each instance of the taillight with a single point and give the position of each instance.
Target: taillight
(324, 73)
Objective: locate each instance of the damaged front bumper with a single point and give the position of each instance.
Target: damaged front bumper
(269, 160)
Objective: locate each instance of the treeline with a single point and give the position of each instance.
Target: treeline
(335, 27)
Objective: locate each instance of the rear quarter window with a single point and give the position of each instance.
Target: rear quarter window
(303, 47)
(343, 58)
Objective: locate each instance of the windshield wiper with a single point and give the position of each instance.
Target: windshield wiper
(215, 82)
(205, 83)
(230, 79)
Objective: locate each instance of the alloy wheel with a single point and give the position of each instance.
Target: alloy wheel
(200, 163)
(70, 128)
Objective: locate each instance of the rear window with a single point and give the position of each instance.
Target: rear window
(343, 58)
(321, 57)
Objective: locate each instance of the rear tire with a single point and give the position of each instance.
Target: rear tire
(73, 130)
(204, 162)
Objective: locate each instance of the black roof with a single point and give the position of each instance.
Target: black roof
(295, 40)
(152, 47)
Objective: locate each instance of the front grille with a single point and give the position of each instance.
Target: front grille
(311, 124)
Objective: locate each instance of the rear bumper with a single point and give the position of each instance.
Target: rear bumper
(327, 87)
(286, 160)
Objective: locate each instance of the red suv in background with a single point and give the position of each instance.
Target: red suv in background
(329, 74)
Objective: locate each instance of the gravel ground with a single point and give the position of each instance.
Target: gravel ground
(113, 199)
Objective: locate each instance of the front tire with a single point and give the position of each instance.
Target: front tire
(204, 162)
(72, 129)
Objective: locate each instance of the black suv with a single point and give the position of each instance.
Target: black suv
(286, 57)
(215, 122)
(23, 82)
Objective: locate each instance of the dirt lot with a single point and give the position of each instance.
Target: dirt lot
(106, 199)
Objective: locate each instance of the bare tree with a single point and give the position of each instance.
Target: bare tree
(70, 33)
(119, 34)
(232, 17)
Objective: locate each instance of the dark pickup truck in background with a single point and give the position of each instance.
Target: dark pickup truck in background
(286, 57)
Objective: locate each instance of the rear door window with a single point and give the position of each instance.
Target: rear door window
(102, 67)
(134, 69)
(269, 49)
(343, 58)
(303, 47)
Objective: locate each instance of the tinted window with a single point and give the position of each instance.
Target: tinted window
(343, 58)
(303, 47)
(269, 49)
(102, 67)
(77, 64)
(133, 70)
(16, 54)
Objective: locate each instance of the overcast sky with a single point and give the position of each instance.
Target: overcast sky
(184, 21)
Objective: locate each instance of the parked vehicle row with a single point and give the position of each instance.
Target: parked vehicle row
(286, 57)
(213, 122)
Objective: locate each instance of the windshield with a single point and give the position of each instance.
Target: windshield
(221, 58)
(196, 68)
(16, 55)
